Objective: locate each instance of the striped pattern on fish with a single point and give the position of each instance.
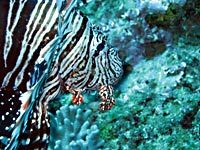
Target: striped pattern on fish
(32, 32)
(28, 27)
(49, 47)
(85, 60)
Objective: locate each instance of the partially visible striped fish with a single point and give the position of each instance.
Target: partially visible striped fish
(28, 28)
(48, 47)
(85, 61)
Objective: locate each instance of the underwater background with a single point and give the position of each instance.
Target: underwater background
(158, 96)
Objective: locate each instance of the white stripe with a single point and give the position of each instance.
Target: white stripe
(8, 40)
(39, 116)
(22, 51)
(34, 20)
(46, 26)
(85, 74)
(105, 69)
(109, 73)
(9, 32)
(26, 41)
(45, 95)
(54, 73)
(54, 94)
(96, 76)
(102, 71)
(69, 61)
(27, 35)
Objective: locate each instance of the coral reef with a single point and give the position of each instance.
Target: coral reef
(158, 97)
(139, 27)
(157, 105)
(72, 130)
(126, 23)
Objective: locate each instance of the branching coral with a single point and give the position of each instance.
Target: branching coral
(71, 130)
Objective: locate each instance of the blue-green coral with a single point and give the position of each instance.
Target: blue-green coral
(71, 129)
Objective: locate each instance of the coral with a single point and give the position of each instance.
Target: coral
(140, 29)
(126, 23)
(71, 130)
(157, 100)
(158, 104)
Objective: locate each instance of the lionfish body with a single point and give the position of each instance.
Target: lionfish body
(48, 47)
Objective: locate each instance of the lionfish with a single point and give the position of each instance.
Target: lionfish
(48, 47)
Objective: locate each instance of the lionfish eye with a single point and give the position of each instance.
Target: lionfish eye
(100, 47)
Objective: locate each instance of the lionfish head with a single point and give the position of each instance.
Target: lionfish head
(106, 64)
